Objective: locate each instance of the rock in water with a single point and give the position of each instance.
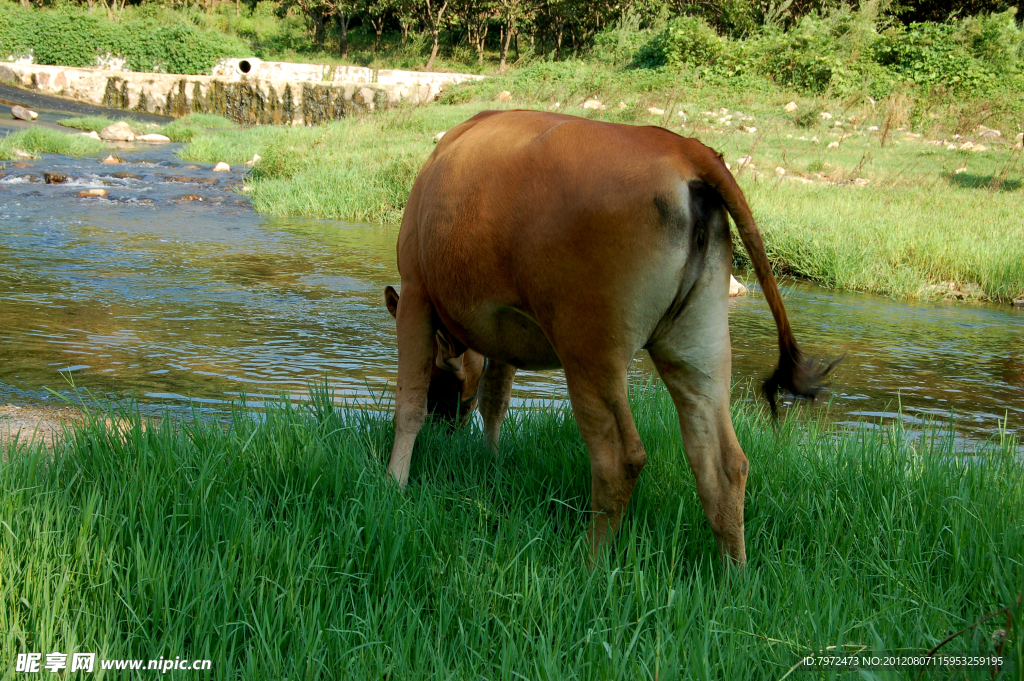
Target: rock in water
(117, 132)
(55, 178)
(153, 138)
(111, 159)
(736, 288)
(221, 167)
(92, 193)
(22, 113)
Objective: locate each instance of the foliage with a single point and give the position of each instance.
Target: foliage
(76, 38)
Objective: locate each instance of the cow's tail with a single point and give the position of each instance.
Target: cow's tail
(795, 374)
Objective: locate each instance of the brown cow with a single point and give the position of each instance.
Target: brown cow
(540, 240)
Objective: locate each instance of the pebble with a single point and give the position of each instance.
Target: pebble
(111, 160)
(221, 167)
(790, 108)
(153, 138)
(87, 193)
(655, 111)
(55, 178)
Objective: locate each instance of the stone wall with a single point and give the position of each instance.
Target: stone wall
(246, 91)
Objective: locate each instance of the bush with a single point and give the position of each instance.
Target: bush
(79, 39)
(931, 54)
(685, 41)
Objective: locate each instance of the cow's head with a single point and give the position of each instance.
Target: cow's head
(454, 377)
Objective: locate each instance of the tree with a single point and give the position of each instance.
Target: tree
(432, 12)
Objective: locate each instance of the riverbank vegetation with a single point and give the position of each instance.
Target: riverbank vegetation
(273, 545)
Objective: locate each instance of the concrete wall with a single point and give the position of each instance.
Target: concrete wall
(269, 92)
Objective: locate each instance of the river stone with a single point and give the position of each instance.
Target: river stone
(190, 197)
(222, 167)
(92, 134)
(22, 113)
(117, 132)
(125, 175)
(182, 178)
(153, 138)
(55, 178)
(87, 193)
(111, 159)
(253, 161)
(736, 288)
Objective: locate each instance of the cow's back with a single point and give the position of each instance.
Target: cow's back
(520, 219)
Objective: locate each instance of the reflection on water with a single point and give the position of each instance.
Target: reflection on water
(175, 291)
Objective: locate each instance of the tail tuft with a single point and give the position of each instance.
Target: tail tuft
(798, 377)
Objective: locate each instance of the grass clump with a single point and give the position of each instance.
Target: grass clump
(274, 545)
(47, 141)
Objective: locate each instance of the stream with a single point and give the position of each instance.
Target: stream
(173, 291)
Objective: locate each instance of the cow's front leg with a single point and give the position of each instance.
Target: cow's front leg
(495, 395)
(600, 404)
(415, 358)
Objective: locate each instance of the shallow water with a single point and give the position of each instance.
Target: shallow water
(177, 293)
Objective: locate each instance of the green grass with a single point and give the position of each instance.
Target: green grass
(47, 141)
(183, 129)
(88, 123)
(274, 545)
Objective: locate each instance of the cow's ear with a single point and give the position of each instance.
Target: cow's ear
(391, 300)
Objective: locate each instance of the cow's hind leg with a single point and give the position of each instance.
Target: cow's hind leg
(600, 404)
(495, 394)
(712, 450)
(415, 358)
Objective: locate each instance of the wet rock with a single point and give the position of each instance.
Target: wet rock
(222, 167)
(125, 175)
(55, 178)
(153, 138)
(504, 96)
(118, 132)
(190, 197)
(594, 104)
(190, 167)
(655, 111)
(91, 134)
(111, 160)
(790, 108)
(29, 177)
(92, 193)
(1019, 302)
(736, 288)
(21, 164)
(21, 153)
(23, 114)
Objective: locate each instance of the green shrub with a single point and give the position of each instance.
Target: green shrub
(685, 41)
(995, 39)
(931, 54)
(77, 38)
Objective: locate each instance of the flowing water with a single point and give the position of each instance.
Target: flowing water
(173, 291)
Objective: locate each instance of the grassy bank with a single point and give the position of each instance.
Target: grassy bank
(274, 546)
(886, 211)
